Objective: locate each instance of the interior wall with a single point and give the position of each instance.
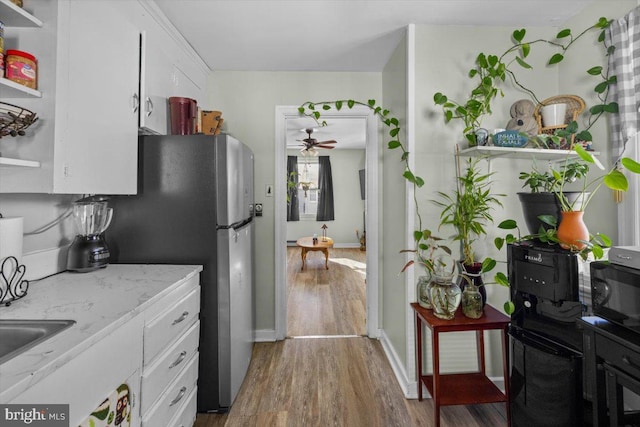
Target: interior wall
(348, 204)
(394, 199)
(247, 100)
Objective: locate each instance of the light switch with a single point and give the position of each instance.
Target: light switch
(268, 190)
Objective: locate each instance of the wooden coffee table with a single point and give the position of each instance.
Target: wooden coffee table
(307, 244)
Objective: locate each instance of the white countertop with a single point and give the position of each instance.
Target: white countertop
(99, 301)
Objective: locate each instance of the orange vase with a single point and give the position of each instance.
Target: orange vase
(571, 230)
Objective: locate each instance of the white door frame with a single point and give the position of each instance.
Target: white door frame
(372, 158)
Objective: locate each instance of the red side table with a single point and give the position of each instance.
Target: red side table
(465, 388)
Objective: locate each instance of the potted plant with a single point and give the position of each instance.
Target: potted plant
(469, 210)
(541, 199)
(572, 233)
(490, 72)
(427, 254)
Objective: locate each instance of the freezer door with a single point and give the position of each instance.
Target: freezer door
(235, 311)
(234, 165)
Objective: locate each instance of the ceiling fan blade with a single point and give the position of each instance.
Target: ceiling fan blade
(325, 146)
(331, 141)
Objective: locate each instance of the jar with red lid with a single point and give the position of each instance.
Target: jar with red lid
(21, 67)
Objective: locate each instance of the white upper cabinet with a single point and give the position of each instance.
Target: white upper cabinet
(105, 71)
(155, 81)
(86, 137)
(97, 110)
(168, 67)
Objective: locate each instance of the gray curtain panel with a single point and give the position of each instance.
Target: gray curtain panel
(293, 213)
(624, 63)
(325, 184)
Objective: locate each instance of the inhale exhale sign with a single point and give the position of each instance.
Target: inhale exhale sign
(34, 415)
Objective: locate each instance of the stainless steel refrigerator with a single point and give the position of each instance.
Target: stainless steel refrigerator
(194, 206)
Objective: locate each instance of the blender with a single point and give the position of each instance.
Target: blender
(89, 249)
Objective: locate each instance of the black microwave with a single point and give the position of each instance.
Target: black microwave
(615, 293)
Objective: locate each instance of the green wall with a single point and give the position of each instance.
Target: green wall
(247, 100)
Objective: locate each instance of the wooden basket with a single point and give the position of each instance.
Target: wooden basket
(575, 106)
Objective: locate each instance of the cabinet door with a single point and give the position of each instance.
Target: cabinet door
(155, 81)
(97, 108)
(86, 380)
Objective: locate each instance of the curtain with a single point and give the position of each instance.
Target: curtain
(624, 63)
(293, 213)
(325, 185)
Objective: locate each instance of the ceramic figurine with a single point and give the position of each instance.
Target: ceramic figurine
(522, 119)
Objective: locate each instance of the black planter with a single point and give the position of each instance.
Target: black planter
(537, 204)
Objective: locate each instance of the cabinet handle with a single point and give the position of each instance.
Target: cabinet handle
(149, 106)
(179, 397)
(181, 318)
(136, 102)
(629, 362)
(178, 360)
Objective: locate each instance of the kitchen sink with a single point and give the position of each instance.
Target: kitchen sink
(17, 336)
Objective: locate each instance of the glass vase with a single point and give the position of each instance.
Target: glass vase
(472, 305)
(471, 274)
(445, 298)
(422, 290)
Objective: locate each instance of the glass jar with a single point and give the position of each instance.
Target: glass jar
(472, 302)
(473, 274)
(445, 298)
(422, 290)
(444, 294)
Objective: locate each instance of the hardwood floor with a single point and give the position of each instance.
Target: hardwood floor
(334, 381)
(326, 302)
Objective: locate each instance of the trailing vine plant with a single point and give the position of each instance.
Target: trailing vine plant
(426, 243)
(491, 71)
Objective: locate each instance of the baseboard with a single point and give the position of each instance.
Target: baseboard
(292, 244)
(408, 387)
(44, 263)
(265, 335)
(346, 245)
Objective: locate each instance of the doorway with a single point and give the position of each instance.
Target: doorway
(284, 116)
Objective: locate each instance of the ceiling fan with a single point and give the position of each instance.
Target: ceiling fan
(310, 144)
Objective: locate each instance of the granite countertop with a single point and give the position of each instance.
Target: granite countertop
(99, 301)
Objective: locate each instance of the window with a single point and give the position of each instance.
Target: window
(308, 188)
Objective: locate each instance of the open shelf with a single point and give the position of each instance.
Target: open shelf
(14, 16)
(519, 153)
(6, 161)
(11, 89)
(465, 389)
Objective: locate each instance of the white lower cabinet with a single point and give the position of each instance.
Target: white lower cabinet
(91, 377)
(153, 357)
(170, 358)
(170, 403)
(159, 375)
(186, 417)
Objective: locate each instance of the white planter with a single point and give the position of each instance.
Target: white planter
(553, 114)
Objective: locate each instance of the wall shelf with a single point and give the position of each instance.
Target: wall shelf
(11, 89)
(493, 152)
(6, 161)
(14, 16)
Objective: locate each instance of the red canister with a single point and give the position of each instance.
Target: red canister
(21, 67)
(183, 115)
